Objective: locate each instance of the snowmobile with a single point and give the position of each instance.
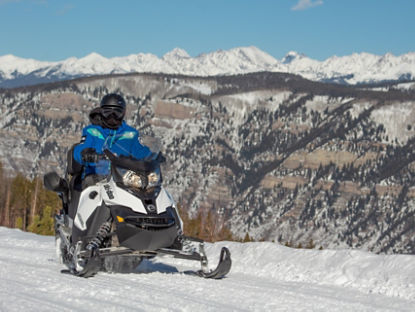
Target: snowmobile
(112, 220)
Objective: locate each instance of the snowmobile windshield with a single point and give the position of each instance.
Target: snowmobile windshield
(124, 155)
(133, 173)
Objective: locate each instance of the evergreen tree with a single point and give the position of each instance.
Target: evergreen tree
(26, 205)
(247, 238)
(43, 224)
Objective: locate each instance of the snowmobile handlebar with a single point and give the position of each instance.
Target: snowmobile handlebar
(128, 162)
(90, 155)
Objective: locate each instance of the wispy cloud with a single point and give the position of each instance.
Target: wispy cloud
(67, 7)
(8, 1)
(37, 2)
(306, 4)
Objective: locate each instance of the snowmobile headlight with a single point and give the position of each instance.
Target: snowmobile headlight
(154, 178)
(130, 178)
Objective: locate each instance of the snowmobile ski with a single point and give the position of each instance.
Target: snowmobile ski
(222, 269)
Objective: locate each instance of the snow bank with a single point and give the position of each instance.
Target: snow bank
(391, 275)
(265, 277)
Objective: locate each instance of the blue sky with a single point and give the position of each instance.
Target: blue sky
(57, 29)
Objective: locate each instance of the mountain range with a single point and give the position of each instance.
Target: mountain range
(358, 68)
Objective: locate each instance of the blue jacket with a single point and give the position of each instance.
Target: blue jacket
(122, 141)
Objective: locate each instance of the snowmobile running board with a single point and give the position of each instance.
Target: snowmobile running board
(219, 272)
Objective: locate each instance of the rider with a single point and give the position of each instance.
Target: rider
(107, 127)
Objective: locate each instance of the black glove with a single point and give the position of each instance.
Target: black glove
(156, 157)
(89, 154)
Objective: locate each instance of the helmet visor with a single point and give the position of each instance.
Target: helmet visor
(118, 112)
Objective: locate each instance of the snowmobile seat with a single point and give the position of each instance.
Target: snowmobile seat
(73, 167)
(74, 178)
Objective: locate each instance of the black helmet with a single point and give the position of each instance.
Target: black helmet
(112, 110)
(113, 103)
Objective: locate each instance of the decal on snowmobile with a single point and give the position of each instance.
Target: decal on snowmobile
(124, 198)
(151, 208)
(81, 221)
(108, 189)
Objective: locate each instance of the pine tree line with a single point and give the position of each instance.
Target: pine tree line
(25, 204)
(206, 225)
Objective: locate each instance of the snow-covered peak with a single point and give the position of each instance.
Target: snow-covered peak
(176, 54)
(11, 65)
(93, 58)
(91, 64)
(291, 56)
(254, 55)
(355, 68)
(235, 61)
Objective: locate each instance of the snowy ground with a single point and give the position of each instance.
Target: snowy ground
(264, 277)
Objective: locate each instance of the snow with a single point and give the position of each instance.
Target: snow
(394, 117)
(265, 277)
(250, 98)
(175, 54)
(9, 64)
(355, 68)
(405, 86)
